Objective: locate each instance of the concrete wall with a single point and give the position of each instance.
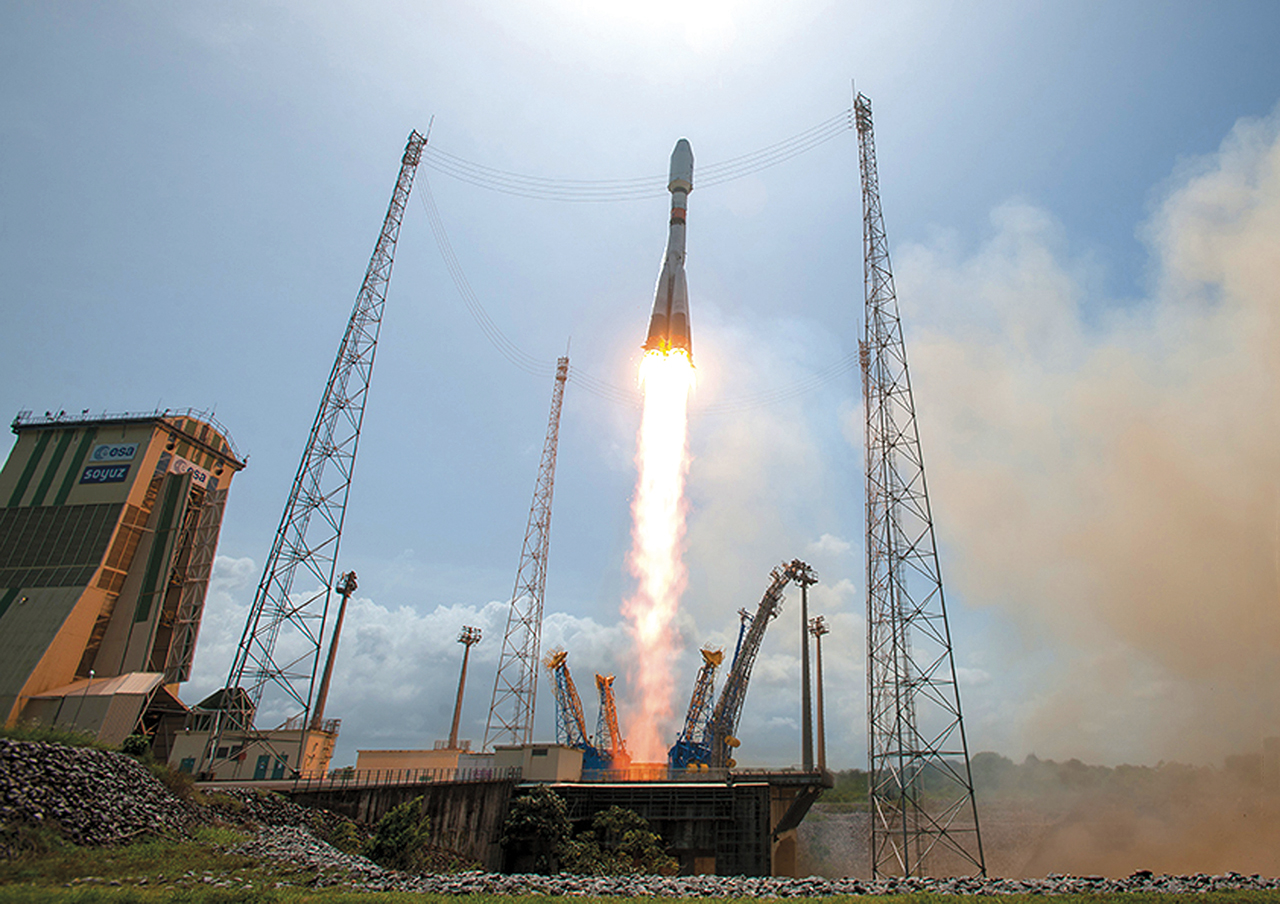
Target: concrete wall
(710, 827)
(465, 817)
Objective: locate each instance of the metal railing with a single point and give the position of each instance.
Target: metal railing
(28, 418)
(298, 722)
(339, 779)
(651, 774)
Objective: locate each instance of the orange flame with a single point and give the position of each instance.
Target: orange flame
(657, 543)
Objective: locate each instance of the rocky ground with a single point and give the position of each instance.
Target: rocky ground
(96, 797)
(296, 846)
(92, 797)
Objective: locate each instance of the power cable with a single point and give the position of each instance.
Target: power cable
(496, 337)
(601, 190)
(614, 190)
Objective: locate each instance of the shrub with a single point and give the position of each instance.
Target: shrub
(220, 800)
(619, 842)
(336, 830)
(345, 837)
(136, 745)
(400, 839)
(180, 784)
(537, 828)
(24, 840)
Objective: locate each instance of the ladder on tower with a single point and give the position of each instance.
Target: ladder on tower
(571, 724)
(609, 738)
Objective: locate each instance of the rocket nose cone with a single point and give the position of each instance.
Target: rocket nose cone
(681, 167)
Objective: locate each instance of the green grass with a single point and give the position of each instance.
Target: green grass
(202, 871)
(37, 731)
(154, 860)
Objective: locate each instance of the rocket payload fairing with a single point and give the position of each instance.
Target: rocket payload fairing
(669, 324)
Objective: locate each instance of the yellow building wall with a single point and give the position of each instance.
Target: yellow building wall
(541, 762)
(28, 628)
(392, 760)
(191, 746)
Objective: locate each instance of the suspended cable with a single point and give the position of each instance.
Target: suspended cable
(579, 190)
(628, 397)
(737, 167)
(508, 349)
(505, 346)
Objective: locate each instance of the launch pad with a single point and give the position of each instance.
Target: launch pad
(741, 825)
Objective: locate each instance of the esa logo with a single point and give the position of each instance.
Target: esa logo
(105, 474)
(114, 452)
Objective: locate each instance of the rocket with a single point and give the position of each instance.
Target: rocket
(669, 324)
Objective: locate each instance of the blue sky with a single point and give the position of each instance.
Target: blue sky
(1076, 197)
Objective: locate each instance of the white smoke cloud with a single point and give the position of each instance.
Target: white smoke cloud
(1106, 474)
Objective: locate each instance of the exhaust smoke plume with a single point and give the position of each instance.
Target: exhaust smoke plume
(1109, 473)
(657, 542)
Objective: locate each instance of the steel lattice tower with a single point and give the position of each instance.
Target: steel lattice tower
(280, 648)
(515, 687)
(924, 816)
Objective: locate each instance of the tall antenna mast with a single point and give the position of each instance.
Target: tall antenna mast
(924, 817)
(305, 551)
(515, 687)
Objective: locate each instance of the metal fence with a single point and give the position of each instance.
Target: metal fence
(367, 778)
(650, 773)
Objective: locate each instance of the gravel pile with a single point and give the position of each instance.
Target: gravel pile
(298, 847)
(93, 797)
(263, 807)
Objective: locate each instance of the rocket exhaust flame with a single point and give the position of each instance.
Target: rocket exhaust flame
(657, 540)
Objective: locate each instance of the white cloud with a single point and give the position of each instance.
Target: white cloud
(831, 545)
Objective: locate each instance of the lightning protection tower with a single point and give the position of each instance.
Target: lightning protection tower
(924, 817)
(515, 687)
(280, 647)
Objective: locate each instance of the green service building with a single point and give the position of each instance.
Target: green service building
(108, 532)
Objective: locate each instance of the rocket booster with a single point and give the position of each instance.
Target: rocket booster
(669, 324)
